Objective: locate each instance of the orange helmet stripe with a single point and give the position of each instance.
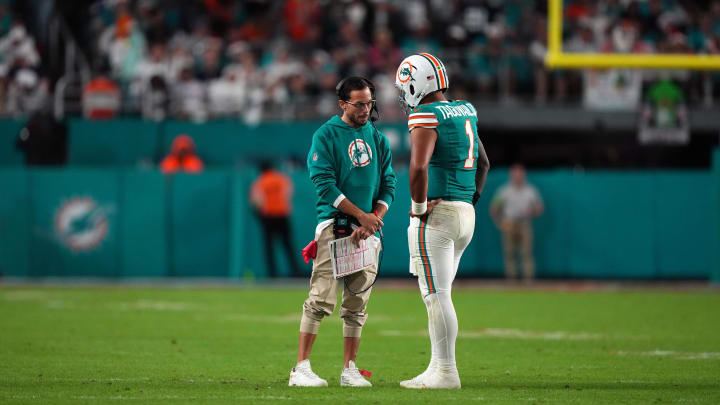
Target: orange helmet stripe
(438, 67)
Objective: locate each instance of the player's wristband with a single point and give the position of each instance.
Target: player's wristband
(419, 208)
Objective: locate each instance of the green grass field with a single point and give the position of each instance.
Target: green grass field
(236, 345)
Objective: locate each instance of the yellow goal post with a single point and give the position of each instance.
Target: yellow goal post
(556, 58)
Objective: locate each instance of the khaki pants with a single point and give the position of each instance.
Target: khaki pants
(518, 237)
(323, 293)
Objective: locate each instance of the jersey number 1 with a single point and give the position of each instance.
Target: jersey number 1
(470, 161)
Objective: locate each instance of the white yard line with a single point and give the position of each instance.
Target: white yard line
(505, 333)
(154, 305)
(671, 353)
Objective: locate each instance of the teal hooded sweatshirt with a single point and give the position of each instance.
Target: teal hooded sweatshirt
(354, 163)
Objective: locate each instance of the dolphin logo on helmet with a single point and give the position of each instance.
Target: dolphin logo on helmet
(405, 72)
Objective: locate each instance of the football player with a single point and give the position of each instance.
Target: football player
(448, 169)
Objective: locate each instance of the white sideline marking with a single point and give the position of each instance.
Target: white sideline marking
(672, 353)
(505, 333)
(525, 334)
(154, 305)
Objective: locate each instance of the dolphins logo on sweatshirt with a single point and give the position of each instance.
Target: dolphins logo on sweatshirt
(360, 153)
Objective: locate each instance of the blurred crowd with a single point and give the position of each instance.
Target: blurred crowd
(22, 87)
(260, 59)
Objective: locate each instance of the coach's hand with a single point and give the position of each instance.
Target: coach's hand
(430, 207)
(360, 233)
(370, 222)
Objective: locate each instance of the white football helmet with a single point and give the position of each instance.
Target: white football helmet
(419, 75)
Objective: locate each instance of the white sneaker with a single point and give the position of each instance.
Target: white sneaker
(351, 377)
(418, 381)
(302, 376)
(442, 380)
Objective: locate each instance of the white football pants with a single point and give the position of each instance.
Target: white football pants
(436, 245)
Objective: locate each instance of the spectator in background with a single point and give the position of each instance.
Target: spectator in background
(152, 20)
(149, 82)
(323, 74)
(155, 63)
(421, 40)
(17, 48)
(182, 157)
(101, 98)
(347, 47)
(387, 98)
(497, 47)
(123, 43)
(384, 54)
(209, 64)
(22, 90)
(283, 66)
(179, 57)
(155, 99)
(245, 66)
(301, 18)
(3, 87)
(226, 95)
(270, 194)
(300, 102)
(512, 209)
(27, 93)
(188, 99)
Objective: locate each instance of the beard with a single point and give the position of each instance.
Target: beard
(359, 120)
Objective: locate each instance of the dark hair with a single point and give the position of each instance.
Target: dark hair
(351, 83)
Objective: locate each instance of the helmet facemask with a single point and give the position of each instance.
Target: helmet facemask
(406, 108)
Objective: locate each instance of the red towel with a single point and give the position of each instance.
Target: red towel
(310, 251)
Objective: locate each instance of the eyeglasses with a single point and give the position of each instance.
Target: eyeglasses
(362, 105)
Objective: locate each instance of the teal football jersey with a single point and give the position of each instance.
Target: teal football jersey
(451, 174)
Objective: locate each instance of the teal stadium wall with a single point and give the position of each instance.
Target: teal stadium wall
(9, 154)
(598, 224)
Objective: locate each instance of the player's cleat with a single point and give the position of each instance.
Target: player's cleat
(443, 380)
(436, 379)
(417, 382)
(302, 376)
(351, 377)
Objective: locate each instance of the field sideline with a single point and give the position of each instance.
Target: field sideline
(116, 344)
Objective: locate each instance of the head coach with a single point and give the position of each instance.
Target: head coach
(350, 166)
